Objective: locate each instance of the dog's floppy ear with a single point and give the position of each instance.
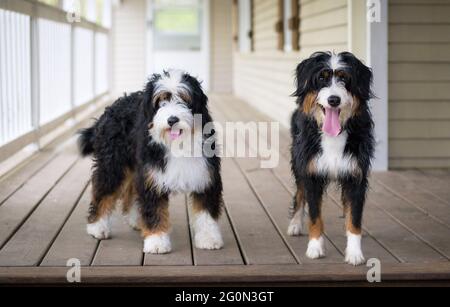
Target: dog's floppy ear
(303, 74)
(364, 81)
(362, 78)
(148, 107)
(199, 99)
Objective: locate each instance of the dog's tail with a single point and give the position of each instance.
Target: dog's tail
(86, 141)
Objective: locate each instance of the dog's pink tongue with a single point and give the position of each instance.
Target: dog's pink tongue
(175, 134)
(332, 126)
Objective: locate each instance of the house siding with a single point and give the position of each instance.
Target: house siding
(265, 77)
(419, 84)
(221, 46)
(128, 39)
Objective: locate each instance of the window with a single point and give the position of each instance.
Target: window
(245, 25)
(177, 24)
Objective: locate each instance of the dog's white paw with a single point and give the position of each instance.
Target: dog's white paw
(296, 225)
(316, 248)
(354, 257)
(207, 232)
(294, 229)
(132, 217)
(157, 244)
(208, 240)
(353, 252)
(100, 230)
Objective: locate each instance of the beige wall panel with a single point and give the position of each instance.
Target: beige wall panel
(128, 39)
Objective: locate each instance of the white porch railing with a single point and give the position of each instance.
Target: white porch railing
(54, 69)
(15, 68)
(51, 69)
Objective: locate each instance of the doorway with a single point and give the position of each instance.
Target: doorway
(178, 37)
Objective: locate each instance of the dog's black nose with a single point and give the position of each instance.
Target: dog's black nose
(173, 120)
(334, 101)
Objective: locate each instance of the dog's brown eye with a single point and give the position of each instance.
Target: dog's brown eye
(161, 97)
(342, 76)
(324, 75)
(185, 97)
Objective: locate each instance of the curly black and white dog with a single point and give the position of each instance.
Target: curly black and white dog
(332, 132)
(132, 146)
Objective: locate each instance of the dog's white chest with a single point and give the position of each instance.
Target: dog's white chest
(184, 175)
(332, 161)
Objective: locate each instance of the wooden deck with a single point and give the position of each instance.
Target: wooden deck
(43, 206)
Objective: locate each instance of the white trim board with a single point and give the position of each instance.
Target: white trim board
(377, 58)
(369, 42)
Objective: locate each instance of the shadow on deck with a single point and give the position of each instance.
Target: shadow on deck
(43, 206)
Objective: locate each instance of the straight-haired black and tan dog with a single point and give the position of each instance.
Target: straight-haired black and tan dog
(134, 162)
(332, 132)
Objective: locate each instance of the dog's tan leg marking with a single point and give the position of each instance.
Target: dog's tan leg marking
(101, 209)
(129, 194)
(99, 217)
(130, 205)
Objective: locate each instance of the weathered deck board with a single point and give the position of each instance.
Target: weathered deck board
(235, 181)
(442, 174)
(260, 241)
(29, 244)
(11, 182)
(181, 243)
(123, 248)
(331, 274)
(17, 208)
(438, 187)
(423, 227)
(413, 194)
(73, 241)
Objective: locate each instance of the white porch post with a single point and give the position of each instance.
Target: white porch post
(368, 39)
(377, 51)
